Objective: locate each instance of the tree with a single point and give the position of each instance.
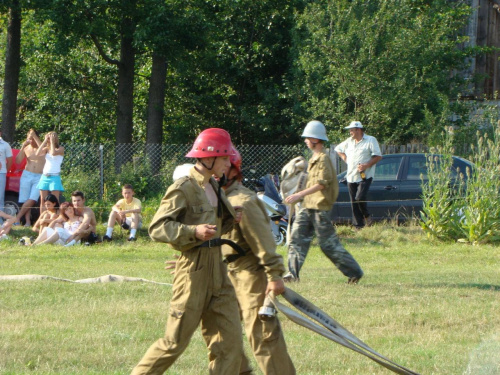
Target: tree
(388, 64)
(64, 88)
(240, 81)
(12, 68)
(167, 31)
(111, 26)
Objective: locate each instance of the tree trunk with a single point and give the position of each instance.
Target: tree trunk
(12, 68)
(124, 118)
(156, 101)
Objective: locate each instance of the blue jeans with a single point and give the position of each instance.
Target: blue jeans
(3, 181)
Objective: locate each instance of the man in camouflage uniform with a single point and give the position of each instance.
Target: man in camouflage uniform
(255, 275)
(192, 216)
(314, 215)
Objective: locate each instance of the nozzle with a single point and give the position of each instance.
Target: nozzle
(267, 311)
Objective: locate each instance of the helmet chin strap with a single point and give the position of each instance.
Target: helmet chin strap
(223, 181)
(213, 163)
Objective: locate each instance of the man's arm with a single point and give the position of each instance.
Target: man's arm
(86, 222)
(374, 160)
(291, 199)
(22, 154)
(342, 156)
(9, 162)
(255, 229)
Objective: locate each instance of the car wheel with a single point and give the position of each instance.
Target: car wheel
(11, 206)
(284, 231)
(279, 238)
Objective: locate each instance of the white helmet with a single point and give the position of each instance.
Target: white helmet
(315, 129)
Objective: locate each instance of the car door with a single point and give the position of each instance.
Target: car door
(384, 194)
(411, 185)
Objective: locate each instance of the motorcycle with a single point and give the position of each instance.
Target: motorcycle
(268, 193)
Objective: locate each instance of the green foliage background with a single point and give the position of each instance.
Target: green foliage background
(258, 69)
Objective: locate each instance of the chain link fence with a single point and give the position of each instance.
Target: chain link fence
(100, 170)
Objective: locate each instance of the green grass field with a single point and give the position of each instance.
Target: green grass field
(429, 306)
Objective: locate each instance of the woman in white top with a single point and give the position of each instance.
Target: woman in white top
(50, 182)
(62, 230)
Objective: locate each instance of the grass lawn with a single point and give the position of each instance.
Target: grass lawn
(432, 307)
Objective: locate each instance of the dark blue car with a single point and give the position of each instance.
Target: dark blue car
(396, 191)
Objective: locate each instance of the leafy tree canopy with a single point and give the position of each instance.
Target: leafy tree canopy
(385, 63)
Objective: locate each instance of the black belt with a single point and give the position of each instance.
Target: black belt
(214, 242)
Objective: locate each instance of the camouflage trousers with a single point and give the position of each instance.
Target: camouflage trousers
(307, 221)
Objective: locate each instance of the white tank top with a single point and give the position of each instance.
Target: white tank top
(52, 164)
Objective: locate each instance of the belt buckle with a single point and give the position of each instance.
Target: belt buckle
(214, 242)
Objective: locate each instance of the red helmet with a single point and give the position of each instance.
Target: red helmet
(211, 142)
(235, 158)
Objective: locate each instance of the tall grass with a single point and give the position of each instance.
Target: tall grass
(431, 306)
(480, 220)
(464, 209)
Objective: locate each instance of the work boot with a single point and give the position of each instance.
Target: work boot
(289, 278)
(354, 280)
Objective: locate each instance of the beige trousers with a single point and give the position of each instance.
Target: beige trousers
(202, 293)
(265, 337)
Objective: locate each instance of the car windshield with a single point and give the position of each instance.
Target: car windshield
(417, 168)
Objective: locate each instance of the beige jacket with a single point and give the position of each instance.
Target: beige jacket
(253, 234)
(321, 171)
(184, 206)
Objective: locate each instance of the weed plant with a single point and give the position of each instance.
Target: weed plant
(464, 209)
(480, 208)
(440, 207)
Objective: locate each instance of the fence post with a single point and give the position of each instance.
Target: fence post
(101, 157)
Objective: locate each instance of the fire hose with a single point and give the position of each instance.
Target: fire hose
(331, 329)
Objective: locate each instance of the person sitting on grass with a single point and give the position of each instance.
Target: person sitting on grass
(127, 212)
(88, 228)
(62, 230)
(7, 224)
(49, 215)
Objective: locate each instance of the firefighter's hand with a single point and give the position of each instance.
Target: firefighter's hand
(277, 287)
(205, 231)
(239, 213)
(294, 198)
(170, 264)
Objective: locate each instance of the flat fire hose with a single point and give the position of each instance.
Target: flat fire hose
(331, 329)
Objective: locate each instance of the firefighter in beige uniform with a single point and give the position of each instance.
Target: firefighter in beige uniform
(192, 212)
(256, 274)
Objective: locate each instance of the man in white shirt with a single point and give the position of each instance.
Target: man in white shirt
(5, 163)
(360, 152)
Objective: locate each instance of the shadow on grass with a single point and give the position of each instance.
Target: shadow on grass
(495, 288)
